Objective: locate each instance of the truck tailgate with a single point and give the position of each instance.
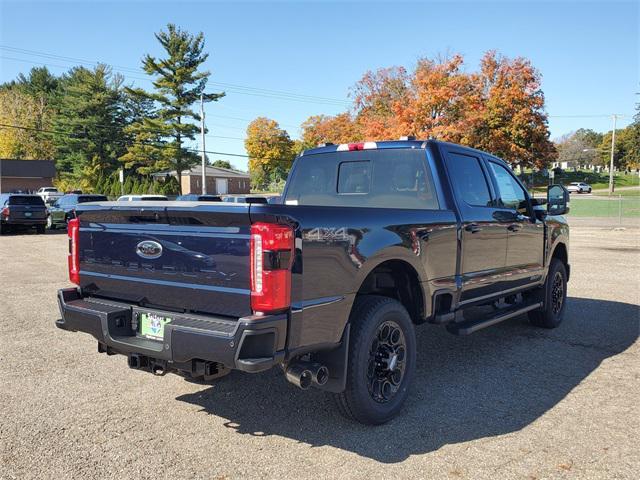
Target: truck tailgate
(182, 256)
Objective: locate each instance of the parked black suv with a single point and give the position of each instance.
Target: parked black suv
(22, 211)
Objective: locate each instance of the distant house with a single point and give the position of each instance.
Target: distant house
(25, 175)
(219, 180)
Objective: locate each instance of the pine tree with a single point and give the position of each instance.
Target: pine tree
(90, 122)
(178, 85)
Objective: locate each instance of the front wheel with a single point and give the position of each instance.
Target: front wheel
(555, 297)
(381, 363)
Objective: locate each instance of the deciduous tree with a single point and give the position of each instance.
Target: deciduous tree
(499, 109)
(341, 128)
(25, 117)
(270, 150)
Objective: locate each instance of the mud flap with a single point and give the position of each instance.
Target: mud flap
(336, 361)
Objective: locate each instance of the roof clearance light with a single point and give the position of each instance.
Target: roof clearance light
(344, 147)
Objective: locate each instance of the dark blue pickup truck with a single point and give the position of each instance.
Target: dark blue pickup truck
(370, 240)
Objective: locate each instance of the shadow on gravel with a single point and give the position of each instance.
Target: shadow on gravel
(494, 382)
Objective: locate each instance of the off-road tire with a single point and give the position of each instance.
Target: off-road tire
(371, 313)
(555, 297)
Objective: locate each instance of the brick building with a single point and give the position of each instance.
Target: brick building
(25, 175)
(220, 181)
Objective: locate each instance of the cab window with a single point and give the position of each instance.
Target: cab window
(469, 180)
(511, 195)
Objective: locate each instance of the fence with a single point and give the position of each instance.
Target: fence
(617, 210)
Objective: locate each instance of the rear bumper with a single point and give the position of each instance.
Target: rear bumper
(250, 344)
(30, 222)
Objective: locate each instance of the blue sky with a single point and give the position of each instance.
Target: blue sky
(587, 52)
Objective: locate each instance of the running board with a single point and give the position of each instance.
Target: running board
(470, 326)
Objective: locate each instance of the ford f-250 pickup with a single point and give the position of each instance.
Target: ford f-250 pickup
(370, 240)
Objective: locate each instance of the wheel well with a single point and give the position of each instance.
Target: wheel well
(399, 280)
(560, 252)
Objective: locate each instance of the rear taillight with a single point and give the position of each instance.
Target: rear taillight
(73, 230)
(5, 212)
(271, 259)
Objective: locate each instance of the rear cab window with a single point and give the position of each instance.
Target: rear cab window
(25, 200)
(384, 178)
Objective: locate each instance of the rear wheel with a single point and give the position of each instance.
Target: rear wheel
(555, 296)
(381, 364)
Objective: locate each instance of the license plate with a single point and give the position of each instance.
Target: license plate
(152, 325)
(27, 214)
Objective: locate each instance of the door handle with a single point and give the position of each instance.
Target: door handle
(514, 227)
(473, 228)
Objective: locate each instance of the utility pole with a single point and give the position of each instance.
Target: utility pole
(613, 145)
(204, 155)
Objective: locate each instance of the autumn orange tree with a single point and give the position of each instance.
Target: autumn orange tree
(499, 108)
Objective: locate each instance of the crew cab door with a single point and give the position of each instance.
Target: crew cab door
(525, 241)
(484, 239)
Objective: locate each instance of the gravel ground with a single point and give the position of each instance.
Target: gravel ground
(508, 402)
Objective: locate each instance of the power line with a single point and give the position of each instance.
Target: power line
(600, 115)
(122, 142)
(235, 88)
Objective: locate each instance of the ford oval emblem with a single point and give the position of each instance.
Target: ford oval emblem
(149, 249)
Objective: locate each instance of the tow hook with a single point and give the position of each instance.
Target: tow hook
(304, 374)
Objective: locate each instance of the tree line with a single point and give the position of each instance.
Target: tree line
(93, 124)
(499, 108)
(585, 147)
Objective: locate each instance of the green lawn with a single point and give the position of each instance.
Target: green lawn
(592, 207)
(625, 193)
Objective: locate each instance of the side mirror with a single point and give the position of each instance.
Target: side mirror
(557, 200)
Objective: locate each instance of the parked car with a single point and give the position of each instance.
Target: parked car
(146, 197)
(20, 211)
(579, 187)
(193, 197)
(64, 208)
(49, 194)
(372, 240)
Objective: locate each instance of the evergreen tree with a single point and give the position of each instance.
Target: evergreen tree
(89, 123)
(178, 85)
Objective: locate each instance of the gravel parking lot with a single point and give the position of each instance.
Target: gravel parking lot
(508, 402)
